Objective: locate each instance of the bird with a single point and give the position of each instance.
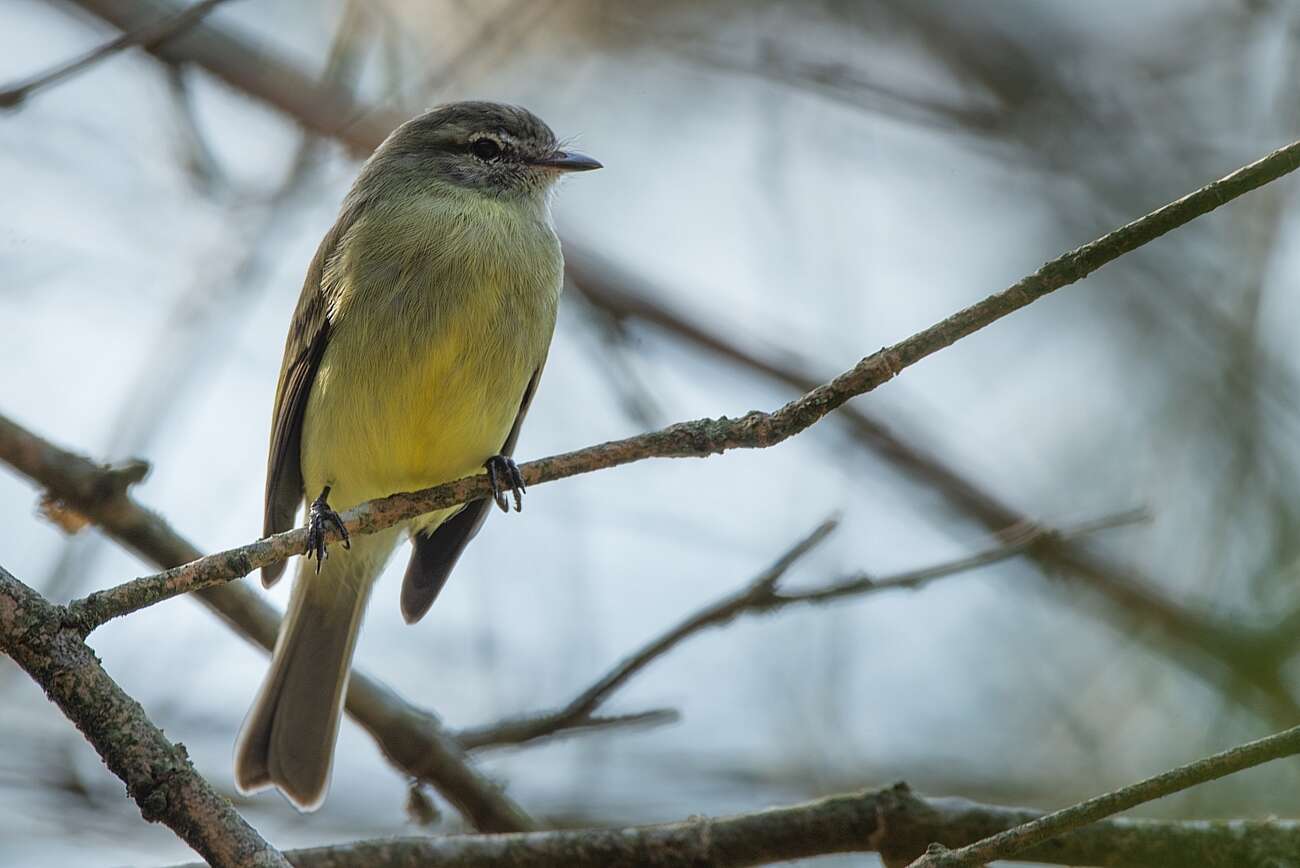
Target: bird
(413, 354)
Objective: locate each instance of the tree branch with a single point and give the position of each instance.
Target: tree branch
(762, 596)
(148, 35)
(158, 774)
(703, 437)
(529, 728)
(893, 822)
(322, 108)
(1013, 842)
(412, 739)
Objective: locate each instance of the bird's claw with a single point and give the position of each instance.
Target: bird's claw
(320, 517)
(503, 475)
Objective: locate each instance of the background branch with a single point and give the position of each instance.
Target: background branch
(322, 108)
(158, 774)
(149, 35)
(1015, 841)
(762, 596)
(530, 728)
(893, 822)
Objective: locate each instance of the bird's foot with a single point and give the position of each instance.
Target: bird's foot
(320, 517)
(504, 475)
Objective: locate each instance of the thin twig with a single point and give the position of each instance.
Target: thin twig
(529, 727)
(147, 36)
(762, 596)
(516, 731)
(894, 822)
(1014, 841)
(1019, 541)
(703, 437)
(157, 773)
(761, 587)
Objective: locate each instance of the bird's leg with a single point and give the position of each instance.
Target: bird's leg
(319, 518)
(504, 475)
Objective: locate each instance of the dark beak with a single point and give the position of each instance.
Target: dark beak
(568, 161)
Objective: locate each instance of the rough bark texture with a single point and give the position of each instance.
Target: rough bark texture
(158, 774)
(1019, 840)
(893, 822)
(413, 739)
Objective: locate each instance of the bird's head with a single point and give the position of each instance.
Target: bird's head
(497, 150)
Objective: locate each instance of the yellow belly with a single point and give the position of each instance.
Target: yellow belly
(432, 344)
(375, 425)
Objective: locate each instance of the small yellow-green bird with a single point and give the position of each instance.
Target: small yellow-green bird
(414, 352)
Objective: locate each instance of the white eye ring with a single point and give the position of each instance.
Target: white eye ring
(485, 147)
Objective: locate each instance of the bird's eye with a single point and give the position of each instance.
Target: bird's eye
(484, 149)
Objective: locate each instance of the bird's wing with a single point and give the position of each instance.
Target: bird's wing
(435, 553)
(308, 336)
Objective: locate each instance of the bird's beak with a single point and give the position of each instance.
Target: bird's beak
(568, 161)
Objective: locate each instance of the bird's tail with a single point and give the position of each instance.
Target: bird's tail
(287, 740)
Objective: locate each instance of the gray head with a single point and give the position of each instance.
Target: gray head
(498, 150)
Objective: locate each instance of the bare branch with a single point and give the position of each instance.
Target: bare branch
(1014, 842)
(1019, 540)
(1215, 649)
(761, 596)
(703, 437)
(893, 822)
(322, 107)
(158, 774)
(530, 727)
(527, 729)
(411, 738)
(149, 35)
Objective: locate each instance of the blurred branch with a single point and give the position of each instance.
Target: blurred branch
(411, 738)
(1012, 842)
(758, 594)
(497, 34)
(1213, 648)
(158, 774)
(894, 822)
(703, 437)
(199, 161)
(525, 729)
(148, 35)
(762, 596)
(611, 349)
(321, 107)
(840, 83)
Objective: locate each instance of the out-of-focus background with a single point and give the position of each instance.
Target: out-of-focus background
(798, 184)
